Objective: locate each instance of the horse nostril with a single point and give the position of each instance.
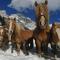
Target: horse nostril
(11, 32)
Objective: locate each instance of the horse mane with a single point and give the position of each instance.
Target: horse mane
(18, 27)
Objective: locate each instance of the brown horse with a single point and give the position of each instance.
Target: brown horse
(41, 9)
(19, 36)
(9, 26)
(3, 38)
(54, 39)
(40, 35)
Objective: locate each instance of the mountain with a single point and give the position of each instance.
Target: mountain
(25, 21)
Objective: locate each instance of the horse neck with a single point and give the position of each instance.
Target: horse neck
(18, 28)
(53, 30)
(42, 30)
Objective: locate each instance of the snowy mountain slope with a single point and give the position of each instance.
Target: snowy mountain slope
(25, 21)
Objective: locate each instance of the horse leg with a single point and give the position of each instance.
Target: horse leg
(5, 45)
(12, 49)
(38, 47)
(13, 46)
(18, 48)
(31, 43)
(54, 48)
(25, 48)
(27, 45)
(45, 47)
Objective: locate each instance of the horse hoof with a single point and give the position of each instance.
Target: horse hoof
(18, 54)
(11, 51)
(26, 54)
(55, 56)
(39, 55)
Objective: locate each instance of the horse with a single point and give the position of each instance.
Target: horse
(3, 38)
(41, 36)
(41, 9)
(54, 38)
(18, 35)
(2, 21)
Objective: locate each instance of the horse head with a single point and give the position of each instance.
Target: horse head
(2, 33)
(11, 27)
(55, 36)
(42, 22)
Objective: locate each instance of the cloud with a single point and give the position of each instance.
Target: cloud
(53, 4)
(20, 5)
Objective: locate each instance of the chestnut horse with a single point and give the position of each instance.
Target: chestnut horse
(41, 35)
(19, 35)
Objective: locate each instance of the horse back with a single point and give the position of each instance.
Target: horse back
(26, 34)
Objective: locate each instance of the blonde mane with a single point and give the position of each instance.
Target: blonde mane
(19, 27)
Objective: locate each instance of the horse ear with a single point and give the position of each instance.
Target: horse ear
(14, 19)
(8, 18)
(35, 3)
(3, 17)
(46, 2)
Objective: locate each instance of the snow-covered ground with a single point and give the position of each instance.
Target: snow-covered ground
(12, 56)
(9, 56)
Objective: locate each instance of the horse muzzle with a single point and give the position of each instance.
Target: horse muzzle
(10, 32)
(1, 38)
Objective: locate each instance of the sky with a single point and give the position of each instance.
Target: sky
(26, 8)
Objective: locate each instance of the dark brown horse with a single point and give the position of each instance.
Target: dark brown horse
(41, 35)
(19, 36)
(54, 38)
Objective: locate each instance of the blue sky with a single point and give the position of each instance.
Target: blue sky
(26, 7)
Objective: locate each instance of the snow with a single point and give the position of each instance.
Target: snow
(3, 13)
(18, 58)
(13, 56)
(9, 56)
(30, 26)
